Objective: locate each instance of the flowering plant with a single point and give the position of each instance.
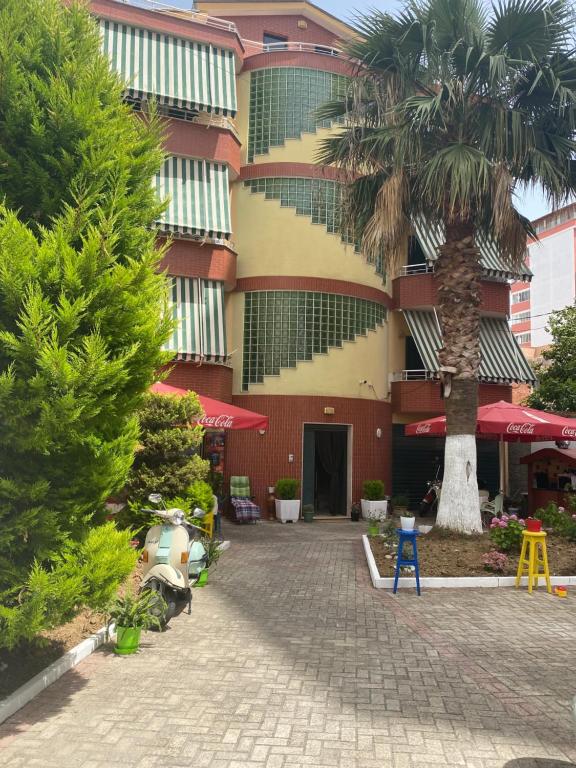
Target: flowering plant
(494, 561)
(506, 532)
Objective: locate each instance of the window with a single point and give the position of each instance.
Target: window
(282, 104)
(282, 328)
(270, 39)
(521, 296)
(520, 317)
(523, 338)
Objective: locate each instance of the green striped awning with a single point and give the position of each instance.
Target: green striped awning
(199, 197)
(431, 238)
(198, 310)
(176, 72)
(502, 360)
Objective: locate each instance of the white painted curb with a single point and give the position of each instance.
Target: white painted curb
(42, 680)
(224, 545)
(448, 582)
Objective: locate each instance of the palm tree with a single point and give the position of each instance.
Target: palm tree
(451, 107)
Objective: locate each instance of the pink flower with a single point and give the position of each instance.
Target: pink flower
(134, 543)
(495, 525)
(495, 521)
(522, 522)
(503, 524)
(504, 517)
(513, 517)
(561, 509)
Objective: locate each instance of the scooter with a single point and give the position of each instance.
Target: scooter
(172, 559)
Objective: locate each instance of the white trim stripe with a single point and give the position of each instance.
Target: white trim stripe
(177, 72)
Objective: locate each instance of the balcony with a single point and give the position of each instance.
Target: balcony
(415, 288)
(418, 392)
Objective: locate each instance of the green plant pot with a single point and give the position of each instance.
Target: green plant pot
(308, 517)
(202, 579)
(127, 640)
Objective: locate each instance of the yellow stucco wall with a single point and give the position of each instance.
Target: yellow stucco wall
(272, 240)
(336, 373)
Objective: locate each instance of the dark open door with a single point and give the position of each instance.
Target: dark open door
(325, 469)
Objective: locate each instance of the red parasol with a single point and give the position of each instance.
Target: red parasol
(218, 415)
(506, 421)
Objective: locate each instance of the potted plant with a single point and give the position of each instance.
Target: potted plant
(400, 504)
(131, 614)
(308, 513)
(287, 501)
(213, 552)
(373, 501)
(355, 512)
(533, 524)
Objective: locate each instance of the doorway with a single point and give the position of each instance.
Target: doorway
(325, 468)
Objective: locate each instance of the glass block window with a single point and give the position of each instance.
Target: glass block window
(282, 103)
(319, 199)
(282, 328)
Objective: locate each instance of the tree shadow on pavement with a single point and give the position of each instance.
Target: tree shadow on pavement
(538, 762)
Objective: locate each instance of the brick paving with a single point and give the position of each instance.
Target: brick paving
(291, 659)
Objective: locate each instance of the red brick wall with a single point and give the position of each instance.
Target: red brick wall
(296, 283)
(306, 170)
(424, 396)
(253, 28)
(413, 291)
(210, 143)
(186, 258)
(206, 379)
(281, 58)
(264, 458)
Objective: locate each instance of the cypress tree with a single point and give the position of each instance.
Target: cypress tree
(82, 307)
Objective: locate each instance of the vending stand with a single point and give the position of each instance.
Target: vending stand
(551, 477)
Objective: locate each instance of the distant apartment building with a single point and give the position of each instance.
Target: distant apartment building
(552, 260)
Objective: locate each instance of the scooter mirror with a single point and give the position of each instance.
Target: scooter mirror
(155, 498)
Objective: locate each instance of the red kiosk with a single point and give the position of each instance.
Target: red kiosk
(551, 476)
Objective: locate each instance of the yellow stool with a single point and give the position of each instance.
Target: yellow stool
(530, 565)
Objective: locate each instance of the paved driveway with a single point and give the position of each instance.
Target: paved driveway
(292, 659)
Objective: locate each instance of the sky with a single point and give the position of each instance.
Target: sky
(530, 202)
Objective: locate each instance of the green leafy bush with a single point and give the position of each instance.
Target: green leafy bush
(373, 490)
(506, 533)
(558, 519)
(83, 574)
(200, 494)
(400, 500)
(287, 488)
(135, 611)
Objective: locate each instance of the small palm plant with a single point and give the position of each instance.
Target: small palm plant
(131, 614)
(453, 106)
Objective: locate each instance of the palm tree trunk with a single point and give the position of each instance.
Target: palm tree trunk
(457, 275)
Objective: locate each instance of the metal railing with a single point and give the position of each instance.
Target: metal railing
(323, 50)
(415, 269)
(414, 375)
(196, 16)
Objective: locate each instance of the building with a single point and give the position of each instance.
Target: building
(552, 259)
(276, 313)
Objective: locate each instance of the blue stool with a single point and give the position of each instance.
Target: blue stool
(403, 538)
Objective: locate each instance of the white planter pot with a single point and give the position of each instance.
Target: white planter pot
(287, 509)
(373, 509)
(407, 523)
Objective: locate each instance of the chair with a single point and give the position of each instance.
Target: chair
(206, 522)
(490, 509)
(245, 511)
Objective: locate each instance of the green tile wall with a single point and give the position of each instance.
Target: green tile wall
(282, 328)
(282, 103)
(319, 199)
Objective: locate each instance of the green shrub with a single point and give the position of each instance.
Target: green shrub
(84, 574)
(400, 500)
(200, 494)
(506, 533)
(373, 490)
(135, 611)
(558, 519)
(287, 488)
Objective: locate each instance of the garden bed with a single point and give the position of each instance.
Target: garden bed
(445, 554)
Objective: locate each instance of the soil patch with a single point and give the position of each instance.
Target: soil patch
(442, 553)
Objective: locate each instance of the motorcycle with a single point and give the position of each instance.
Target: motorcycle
(173, 559)
(432, 496)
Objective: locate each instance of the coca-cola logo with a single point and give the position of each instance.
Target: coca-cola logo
(221, 421)
(569, 432)
(423, 429)
(520, 429)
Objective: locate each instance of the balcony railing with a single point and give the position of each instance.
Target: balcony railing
(324, 50)
(415, 269)
(414, 375)
(196, 16)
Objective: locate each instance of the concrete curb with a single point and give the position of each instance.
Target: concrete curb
(448, 582)
(42, 680)
(224, 545)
